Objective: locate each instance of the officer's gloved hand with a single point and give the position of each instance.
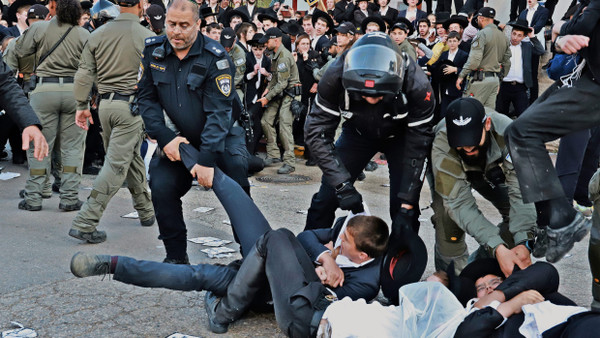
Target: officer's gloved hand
(402, 222)
(349, 198)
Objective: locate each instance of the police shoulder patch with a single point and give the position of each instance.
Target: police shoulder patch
(140, 72)
(282, 67)
(224, 84)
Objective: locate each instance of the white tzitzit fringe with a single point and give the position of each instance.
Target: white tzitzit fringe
(568, 79)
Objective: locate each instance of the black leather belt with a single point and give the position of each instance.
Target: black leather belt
(513, 83)
(116, 96)
(489, 74)
(55, 80)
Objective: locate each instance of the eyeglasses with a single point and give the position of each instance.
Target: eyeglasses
(492, 283)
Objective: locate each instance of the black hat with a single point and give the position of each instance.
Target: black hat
(406, 2)
(405, 266)
(459, 19)
(487, 12)
(255, 40)
(86, 4)
(11, 14)
(346, 28)
(375, 19)
(292, 28)
(438, 69)
(227, 37)
(271, 33)
(465, 118)
(462, 287)
(205, 12)
(321, 14)
(481, 268)
(37, 12)
(234, 12)
(265, 16)
(520, 24)
(405, 25)
(441, 17)
(157, 16)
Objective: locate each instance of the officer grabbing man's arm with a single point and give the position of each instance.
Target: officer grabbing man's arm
(469, 152)
(384, 112)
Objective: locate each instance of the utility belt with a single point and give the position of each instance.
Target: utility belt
(34, 80)
(479, 75)
(131, 99)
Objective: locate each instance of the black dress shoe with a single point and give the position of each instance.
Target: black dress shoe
(185, 260)
(210, 305)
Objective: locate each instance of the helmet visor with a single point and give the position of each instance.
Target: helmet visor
(104, 9)
(374, 61)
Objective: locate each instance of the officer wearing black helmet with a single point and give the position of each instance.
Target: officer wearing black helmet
(100, 13)
(387, 103)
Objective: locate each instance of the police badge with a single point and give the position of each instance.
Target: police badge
(224, 84)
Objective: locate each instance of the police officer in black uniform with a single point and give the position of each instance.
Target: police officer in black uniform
(387, 103)
(190, 77)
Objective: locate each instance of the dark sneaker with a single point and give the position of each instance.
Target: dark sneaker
(560, 241)
(185, 261)
(23, 205)
(541, 243)
(56, 186)
(286, 169)
(361, 176)
(97, 236)
(70, 207)
(210, 305)
(271, 161)
(371, 166)
(85, 265)
(149, 222)
(44, 196)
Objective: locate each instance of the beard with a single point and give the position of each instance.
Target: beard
(478, 160)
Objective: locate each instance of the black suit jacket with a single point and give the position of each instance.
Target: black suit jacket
(251, 89)
(344, 11)
(392, 14)
(540, 17)
(450, 80)
(362, 282)
(244, 9)
(359, 16)
(529, 50)
(420, 15)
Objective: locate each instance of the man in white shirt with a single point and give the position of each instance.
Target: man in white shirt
(514, 87)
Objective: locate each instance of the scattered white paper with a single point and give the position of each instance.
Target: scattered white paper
(203, 209)
(422, 219)
(8, 176)
(132, 215)
(226, 221)
(303, 212)
(209, 241)
(20, 331)
(385, 185)
(221, 252)
(181, 335)
(283, 190)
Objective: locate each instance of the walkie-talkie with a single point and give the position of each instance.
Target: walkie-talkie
(159, 53)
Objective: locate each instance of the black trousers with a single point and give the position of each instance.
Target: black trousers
(576, 163)
(446, 6)
(515, 93)
(94, 150)
(9, 131)
(171, 180)
(557, 112)
(256, 113)
(534, 91)
(516, 7)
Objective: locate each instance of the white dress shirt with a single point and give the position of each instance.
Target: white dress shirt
(516, 65)
(530, 12)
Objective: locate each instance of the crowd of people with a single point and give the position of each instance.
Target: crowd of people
(449, 95)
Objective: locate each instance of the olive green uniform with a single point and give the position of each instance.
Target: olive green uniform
(490, 53)
(24, 68)
(238, 56)
(407, 47)
(112, 57)
(456, 211)
(285, 77)
(53, 102)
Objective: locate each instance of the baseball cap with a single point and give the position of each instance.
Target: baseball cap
(271, 33)
(37, 12)
(157, 16)
(345, 28)
(464, 122)
(487, 12)
(227, 37)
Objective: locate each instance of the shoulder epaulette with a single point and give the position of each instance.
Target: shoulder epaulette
(213, 47)
(155, 40)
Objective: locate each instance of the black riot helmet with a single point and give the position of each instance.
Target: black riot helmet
(374, 66)
(102, 12)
